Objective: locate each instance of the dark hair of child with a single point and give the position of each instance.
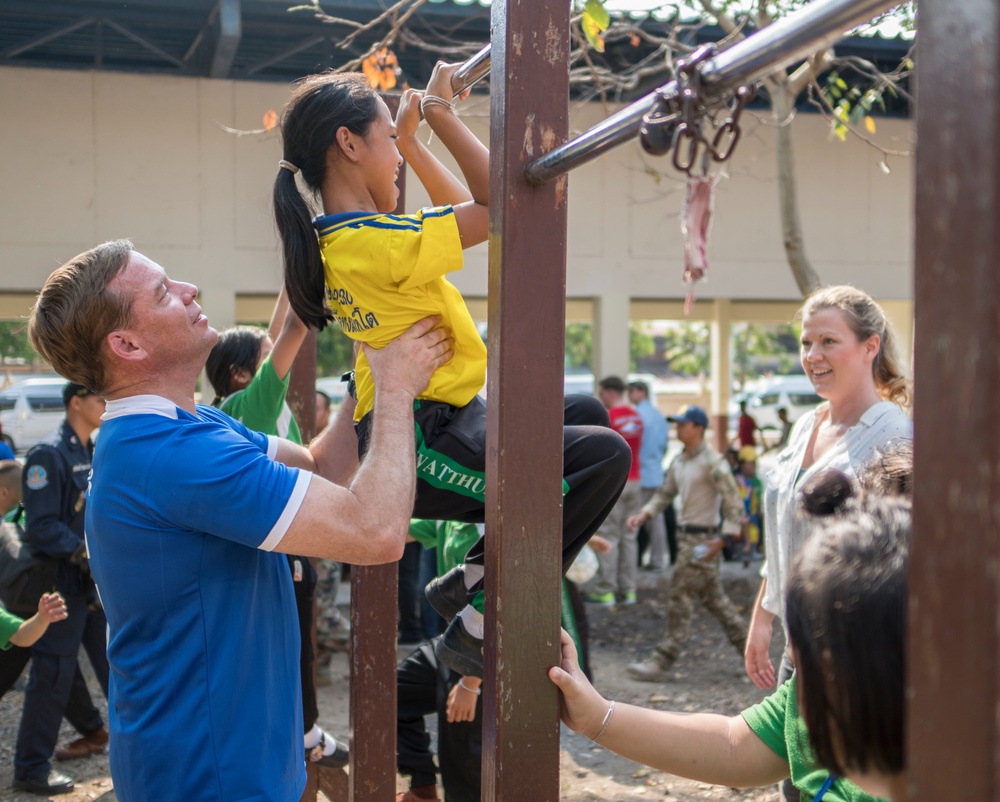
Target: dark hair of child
(237, 348)
(320, 105)
(846, 619)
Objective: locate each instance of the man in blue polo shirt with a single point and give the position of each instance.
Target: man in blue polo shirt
(186, 511)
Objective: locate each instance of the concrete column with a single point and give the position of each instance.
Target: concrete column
(900, 315)
(218, 303)
(611, 335)
(721, 371)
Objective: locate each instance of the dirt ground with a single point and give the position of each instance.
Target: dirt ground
(708, 677)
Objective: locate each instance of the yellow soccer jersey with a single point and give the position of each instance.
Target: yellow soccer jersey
(385, 272)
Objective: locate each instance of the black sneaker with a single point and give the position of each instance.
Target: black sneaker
(337, 759)
(460, 651)
(447, 594)
(50, 785)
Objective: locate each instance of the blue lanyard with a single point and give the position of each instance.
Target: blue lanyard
(826, 787)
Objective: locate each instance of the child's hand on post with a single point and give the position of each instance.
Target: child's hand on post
(581, 707)
(439, 86)
(408, 116)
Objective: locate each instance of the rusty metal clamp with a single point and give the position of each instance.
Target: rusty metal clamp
(725, 139)
(688, 138)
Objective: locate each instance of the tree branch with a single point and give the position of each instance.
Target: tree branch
(725, 21)
(808, 70)
(828, 112)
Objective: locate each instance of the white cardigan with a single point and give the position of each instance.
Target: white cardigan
(785, 529)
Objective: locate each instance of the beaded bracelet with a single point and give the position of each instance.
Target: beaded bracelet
(607, 720)
(470, 690)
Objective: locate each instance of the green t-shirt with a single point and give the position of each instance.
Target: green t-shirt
(9, 624)
(261, 406)
(776, 721)
(451, 539)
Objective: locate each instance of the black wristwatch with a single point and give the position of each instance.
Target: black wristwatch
(352, 388)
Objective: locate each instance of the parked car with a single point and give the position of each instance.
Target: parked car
(794, 393)
(333, 387)
(29, 410)
(584, 383)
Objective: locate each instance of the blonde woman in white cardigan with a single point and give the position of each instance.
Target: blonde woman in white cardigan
(848, 352)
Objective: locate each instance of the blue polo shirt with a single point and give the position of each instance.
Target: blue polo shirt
(182, 512)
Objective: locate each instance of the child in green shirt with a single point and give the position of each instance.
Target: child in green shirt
(846, 618)
(20, 632)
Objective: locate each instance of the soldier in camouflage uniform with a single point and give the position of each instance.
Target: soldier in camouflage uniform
(702, 479)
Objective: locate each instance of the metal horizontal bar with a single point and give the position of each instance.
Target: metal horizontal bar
(140, 40)
(797, 36)
(47, 37)
(471, 71)
(287, 53)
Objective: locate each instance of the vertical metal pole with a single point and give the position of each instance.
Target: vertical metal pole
(527, 288)
(374, 591)
(953, 730)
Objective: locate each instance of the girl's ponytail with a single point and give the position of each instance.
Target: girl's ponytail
(304, 279)
(318, 108)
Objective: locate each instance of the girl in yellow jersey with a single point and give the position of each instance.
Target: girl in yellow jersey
(377, 273)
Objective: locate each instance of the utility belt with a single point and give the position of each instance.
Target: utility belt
(688, 529)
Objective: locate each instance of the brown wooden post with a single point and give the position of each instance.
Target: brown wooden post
(302, 401)
(373, 682)
(527, 290)
(953, 729)
(302, 387)
(374, 591)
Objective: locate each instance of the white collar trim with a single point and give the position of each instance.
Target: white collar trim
(139, 405)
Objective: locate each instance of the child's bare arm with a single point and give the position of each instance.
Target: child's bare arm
(440, 183)
(51, 608)
(472, 156)
(287, 332)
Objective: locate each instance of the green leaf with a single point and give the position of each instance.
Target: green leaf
(841, 83)
(593, 32)
(598, 13)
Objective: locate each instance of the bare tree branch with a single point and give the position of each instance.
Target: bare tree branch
(818, 100)
(725, 21)
(808, 70)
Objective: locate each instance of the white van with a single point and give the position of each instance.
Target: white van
(795, 393)
(584, 383)
(29, 410)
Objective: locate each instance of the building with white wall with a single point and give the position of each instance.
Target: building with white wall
(90, 155)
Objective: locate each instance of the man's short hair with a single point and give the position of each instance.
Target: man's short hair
(76, 311)
(10, 475)
(612, 383)
(642, 387)
(73, 390)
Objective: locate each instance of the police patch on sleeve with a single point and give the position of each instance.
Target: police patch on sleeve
(36, 478)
